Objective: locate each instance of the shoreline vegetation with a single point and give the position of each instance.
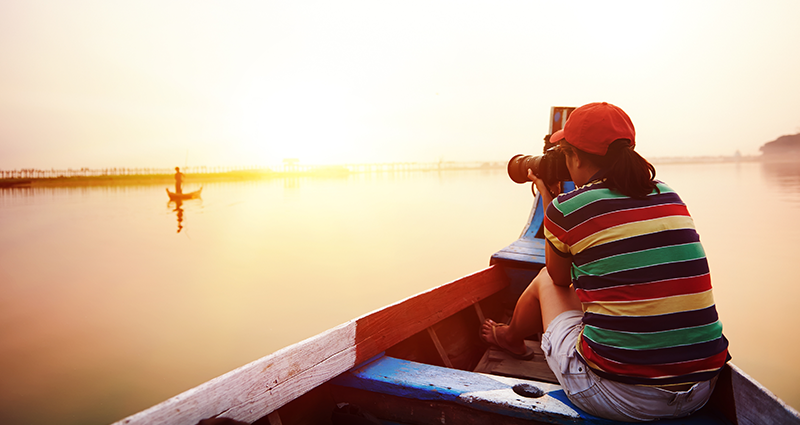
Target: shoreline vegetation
(201, 174)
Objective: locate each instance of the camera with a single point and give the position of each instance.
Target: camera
(550, 167)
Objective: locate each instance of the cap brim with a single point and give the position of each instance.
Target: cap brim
(557, 136)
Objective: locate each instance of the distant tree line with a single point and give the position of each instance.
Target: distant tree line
(35, 173)
(287, 167)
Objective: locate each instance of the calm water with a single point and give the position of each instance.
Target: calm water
(105, 309)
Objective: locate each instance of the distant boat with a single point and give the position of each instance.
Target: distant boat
(184, 196)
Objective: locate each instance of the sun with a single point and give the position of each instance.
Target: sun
(313, 122)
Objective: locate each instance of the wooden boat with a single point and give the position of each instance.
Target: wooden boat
(184, 196)
(420, 361)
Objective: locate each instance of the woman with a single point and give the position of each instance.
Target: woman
(632, 333)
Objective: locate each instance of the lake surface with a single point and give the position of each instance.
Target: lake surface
(106, 309)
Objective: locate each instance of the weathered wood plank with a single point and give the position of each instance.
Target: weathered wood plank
(523, 253)
(756, 405)
(498, 362)
(257, 389)
(274, 419)
(479, 312)
(403, 410)
(487, 393)
(257, 405)
(439, 348)
(495, 395)
(261, 387)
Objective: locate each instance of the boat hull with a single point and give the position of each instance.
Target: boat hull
(184, 196)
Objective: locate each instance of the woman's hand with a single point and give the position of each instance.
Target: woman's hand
(546, 192)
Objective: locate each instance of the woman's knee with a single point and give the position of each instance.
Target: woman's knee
(535, 288)
(542, 280)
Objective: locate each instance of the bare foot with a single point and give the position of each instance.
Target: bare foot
(497, 334)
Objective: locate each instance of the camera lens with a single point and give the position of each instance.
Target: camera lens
(519, 165)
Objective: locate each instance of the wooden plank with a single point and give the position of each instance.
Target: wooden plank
(479, 312)
(523, 261)
(756, 405)
(439, 348)
(524, 253)
(403, 410)
(482, 392)
(261, 387)
(274, 419)
(537, 370)
(499, 362)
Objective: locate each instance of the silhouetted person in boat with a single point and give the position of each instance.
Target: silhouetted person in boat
(625, 302)
(178, 180)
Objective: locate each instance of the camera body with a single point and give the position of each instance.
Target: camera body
(550, 167)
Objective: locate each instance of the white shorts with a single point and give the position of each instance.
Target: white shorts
(606, 398)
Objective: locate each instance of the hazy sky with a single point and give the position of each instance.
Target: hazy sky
(141, 83)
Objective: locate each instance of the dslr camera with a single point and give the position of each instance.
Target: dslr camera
(552, 165)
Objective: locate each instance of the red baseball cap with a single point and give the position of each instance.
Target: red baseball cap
(593, 127)
(557, 136)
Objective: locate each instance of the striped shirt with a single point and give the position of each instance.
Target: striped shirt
(642, 277)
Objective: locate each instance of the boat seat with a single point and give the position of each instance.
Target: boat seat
(523, 254)
(499, 395)
(527, 252)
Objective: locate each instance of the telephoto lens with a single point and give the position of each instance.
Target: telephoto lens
(519, 165)
(550, 167)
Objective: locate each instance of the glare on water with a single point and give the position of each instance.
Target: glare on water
(113, 299)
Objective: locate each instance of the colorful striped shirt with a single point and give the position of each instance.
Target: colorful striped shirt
(642, 277)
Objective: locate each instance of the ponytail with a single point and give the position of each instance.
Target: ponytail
(625, 170)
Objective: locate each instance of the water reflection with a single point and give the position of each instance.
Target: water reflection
(91, 293)
(178, 208)
(179, 211)
(291, 183)
(786, 174)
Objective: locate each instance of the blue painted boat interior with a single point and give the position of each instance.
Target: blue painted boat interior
(419, 381)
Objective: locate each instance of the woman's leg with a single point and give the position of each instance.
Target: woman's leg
(538, 305)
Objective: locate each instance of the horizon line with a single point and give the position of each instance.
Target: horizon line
(289, 162)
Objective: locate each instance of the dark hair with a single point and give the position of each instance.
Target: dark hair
(624, 169)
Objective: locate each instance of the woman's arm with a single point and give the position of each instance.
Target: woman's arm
(559, 267)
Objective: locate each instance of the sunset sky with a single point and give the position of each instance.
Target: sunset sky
(163, 83)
